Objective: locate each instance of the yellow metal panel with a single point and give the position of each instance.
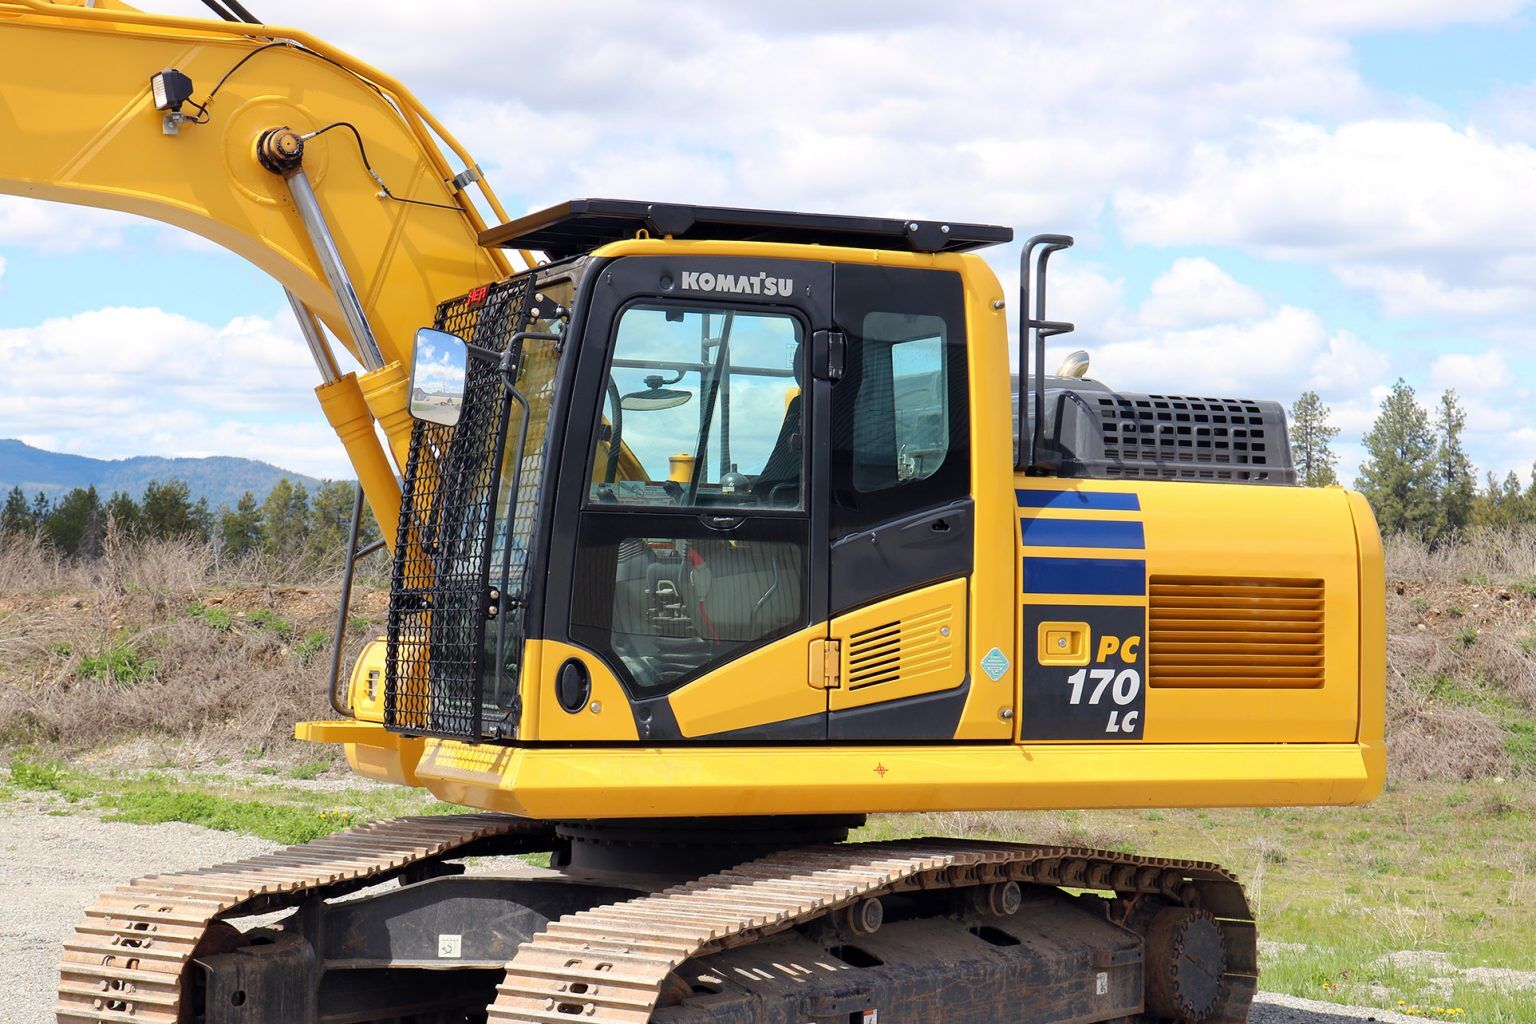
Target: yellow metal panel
(371, 752)
(365, 690)
(618, 782)
(770, 684)
(1373, 623)
(606, 716)
(1235, 532)
(903, 646)
(994, 582)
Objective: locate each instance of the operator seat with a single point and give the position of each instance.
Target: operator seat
(779, 481)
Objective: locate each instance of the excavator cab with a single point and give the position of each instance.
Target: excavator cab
(675, 471)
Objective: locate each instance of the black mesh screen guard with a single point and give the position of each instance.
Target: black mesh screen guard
(439, 590)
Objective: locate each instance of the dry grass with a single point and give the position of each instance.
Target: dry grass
(1461, 655)
(164, 641)
(1492, 557)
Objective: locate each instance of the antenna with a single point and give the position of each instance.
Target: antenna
(1043, 328)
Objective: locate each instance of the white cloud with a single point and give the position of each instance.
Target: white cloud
(1426, 217)
(1413, 292)
(56, 228)
(1273, 357)
(1196, 292)
(1470, 373)
(142, 381)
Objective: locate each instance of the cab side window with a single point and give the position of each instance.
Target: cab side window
(900, 430)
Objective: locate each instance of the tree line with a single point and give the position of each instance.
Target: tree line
(1416, 474)
(290, 523)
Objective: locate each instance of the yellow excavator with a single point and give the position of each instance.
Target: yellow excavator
(713, 531)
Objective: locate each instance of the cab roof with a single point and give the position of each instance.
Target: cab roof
(581, 225)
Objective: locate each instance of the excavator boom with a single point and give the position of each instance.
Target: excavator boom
(79, 119)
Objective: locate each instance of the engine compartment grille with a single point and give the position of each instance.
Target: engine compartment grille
(439, 592)
(1180, 437)
(1210, 631)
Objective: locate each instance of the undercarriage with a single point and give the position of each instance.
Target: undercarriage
(668, 922)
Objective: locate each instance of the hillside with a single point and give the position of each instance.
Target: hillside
(221, 478)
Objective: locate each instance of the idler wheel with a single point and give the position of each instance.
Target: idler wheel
(1185, 961)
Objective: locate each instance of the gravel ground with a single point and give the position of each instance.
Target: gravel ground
(53, 864)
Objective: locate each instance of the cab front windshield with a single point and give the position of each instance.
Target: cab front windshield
(702, 409)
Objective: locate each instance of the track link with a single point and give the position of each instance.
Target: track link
(608, 965)
(127, 961)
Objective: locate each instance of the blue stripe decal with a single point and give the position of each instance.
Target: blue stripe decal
(1103, 501)
(1119, 576)
(1082, 533)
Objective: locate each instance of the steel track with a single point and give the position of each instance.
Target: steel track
(128, 960)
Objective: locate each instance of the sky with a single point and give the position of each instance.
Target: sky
(1266, 197)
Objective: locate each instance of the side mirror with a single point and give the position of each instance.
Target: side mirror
(438, 363)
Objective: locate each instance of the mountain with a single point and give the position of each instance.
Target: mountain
(220, 478)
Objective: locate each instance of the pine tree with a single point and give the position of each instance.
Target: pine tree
(169, 513)
(1500, 505)
(77, 525)
(16, 517)
(125, 514)
(330, 521)
(1399, 475)
(240, 527)
(1311, 442)
(285, 519)
(41, 506)
(1457, 479)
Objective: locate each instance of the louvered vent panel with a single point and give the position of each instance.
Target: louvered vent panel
(1214, 631)
(920, 645)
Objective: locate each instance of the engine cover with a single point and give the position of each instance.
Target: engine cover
(1095, 432)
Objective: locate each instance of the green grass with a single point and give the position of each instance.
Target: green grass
(280, 823)
(39, 776)
(229, 804)
(118, 662)
(213, 618)
(308, 770)
(268, 620)
(313, 642)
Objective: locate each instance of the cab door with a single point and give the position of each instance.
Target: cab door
(901, 514)
(691, 521)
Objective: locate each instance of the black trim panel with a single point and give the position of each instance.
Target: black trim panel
(902, 555)
(928, 716)
(580, 225)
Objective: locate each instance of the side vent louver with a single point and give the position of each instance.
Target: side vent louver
(895, 651)
(1214, 631)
